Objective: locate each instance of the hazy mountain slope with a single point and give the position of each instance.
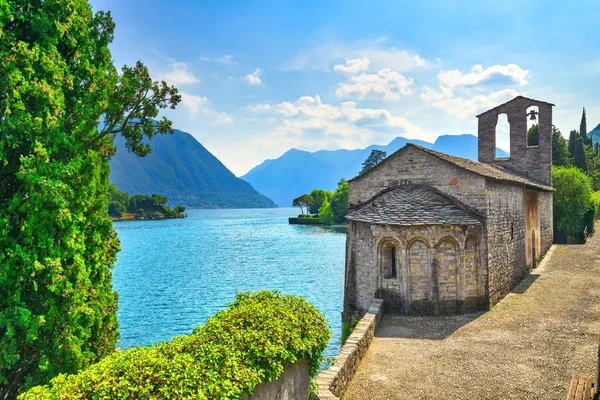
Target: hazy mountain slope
(180, 168)
(297, 171)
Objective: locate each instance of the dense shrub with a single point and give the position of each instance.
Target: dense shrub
(574, 206)
(246, 344)
(325, 213)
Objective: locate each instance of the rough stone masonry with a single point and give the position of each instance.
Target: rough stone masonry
(437, 234)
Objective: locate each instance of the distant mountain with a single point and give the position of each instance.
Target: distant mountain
(297, 171)
(180, 168)
(594, 134)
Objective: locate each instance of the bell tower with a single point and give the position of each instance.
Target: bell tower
(530, 155)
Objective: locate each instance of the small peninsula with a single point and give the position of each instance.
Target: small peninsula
(140, 206)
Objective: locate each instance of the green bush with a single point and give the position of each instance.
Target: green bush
(574, 205)
(246, 344)
(325, 213)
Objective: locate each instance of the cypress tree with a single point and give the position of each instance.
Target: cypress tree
(572, 139)
(579, 159)
(583, 127)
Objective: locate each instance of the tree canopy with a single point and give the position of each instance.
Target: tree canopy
(318, 198)
(302, 201)
(57, 244)
(374, 158)
(572, 201)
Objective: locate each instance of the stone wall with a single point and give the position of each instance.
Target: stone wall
(333, 382)
(546, 222)
(505, 230)
(413, 166)
(533, 161)
(436, 271)
(293, 383)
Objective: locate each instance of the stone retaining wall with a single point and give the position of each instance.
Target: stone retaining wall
(293, 383)
(333, 382)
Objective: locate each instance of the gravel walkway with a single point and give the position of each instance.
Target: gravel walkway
(527, 347)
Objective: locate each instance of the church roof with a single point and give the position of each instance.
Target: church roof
(487, 170)
(414, 205)
(483, 169)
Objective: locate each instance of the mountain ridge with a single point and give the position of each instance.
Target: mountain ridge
(299, 171)
(182, 169)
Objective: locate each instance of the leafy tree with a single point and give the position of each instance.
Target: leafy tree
(339, 203)
(57, 244)
(318, 197)
(302, 201)
(572, 139)
(579, 156)
(560, 152)
(572, 201)
(533, 136)
(116, 209)
(325, 213)
(583, 127)
(374, 158)
(179, 209)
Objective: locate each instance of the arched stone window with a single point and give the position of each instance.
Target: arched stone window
(446, 255)
(419, 276)
(388, 257)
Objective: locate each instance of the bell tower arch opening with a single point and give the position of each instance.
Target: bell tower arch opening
(502, 136)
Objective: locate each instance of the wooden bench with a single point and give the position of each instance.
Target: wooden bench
(583, 388)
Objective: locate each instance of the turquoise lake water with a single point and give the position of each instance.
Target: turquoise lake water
(171, 275)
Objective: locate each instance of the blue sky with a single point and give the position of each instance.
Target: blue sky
(258, 78)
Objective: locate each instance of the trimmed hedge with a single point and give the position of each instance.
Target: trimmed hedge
(239, 347)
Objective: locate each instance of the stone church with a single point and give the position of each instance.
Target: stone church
(437, 234)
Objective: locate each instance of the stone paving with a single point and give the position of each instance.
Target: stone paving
(527, 347)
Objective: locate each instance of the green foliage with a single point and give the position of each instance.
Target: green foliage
(140, 205)
(244, 345)
(533, 136)
(325, 213)
(583, 127)
(579, 156)
(57, 244)
(374, 158)
(302, 201)
(560, 152)
(339, 203)
(318, 197)
(573, 202)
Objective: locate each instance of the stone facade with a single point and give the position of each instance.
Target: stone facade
(438, 268)
(420, 266)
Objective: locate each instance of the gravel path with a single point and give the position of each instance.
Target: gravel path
(527, 347)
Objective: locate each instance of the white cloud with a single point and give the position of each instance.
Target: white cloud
(385, 85)
(353, 66)
(226, 59)
(465, 106)
(506, 75)
(311, 124)
(260, 107)
(202, 105)
(324, 56)
(179, 75)
(253, 78)
(466, 95)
